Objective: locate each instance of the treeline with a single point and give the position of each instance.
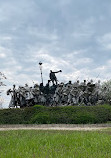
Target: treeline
(57, 115)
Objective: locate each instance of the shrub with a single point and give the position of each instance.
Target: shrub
(68, 115)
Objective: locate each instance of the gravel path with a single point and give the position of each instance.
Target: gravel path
(72, 127)
(69, 129)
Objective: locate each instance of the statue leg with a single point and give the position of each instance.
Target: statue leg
(52, 82)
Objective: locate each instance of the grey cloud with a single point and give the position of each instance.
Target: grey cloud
(71, 35)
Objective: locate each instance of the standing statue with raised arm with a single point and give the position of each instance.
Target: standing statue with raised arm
(53, 76)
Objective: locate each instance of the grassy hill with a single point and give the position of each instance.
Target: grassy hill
(58, 115)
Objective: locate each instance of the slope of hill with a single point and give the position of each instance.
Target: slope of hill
(57, 115)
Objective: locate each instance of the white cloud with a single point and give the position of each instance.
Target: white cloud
(2, 55)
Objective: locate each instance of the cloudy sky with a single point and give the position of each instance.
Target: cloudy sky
(71, 35)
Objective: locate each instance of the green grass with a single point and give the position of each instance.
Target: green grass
(55, 144)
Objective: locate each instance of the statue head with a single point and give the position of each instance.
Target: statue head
(70, 82)
(77, 81)
(14, 86)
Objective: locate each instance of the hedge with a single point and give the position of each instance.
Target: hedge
(57, 115)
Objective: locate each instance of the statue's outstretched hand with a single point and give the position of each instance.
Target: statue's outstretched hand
(60, 70)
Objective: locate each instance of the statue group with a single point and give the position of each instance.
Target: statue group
(85, 93)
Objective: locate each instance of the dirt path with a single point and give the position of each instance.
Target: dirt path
(72, 127)
(69, 129)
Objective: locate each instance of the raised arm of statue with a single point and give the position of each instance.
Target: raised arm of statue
(58, 71)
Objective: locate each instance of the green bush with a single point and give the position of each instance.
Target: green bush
(40, 119)
(59, 115)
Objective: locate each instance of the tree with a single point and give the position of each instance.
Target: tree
(106, 91)
(2, 78)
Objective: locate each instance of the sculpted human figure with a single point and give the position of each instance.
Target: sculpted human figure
(53, 76)
(14, 97)
(47, 88)
(76, 84)
(62, 94)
